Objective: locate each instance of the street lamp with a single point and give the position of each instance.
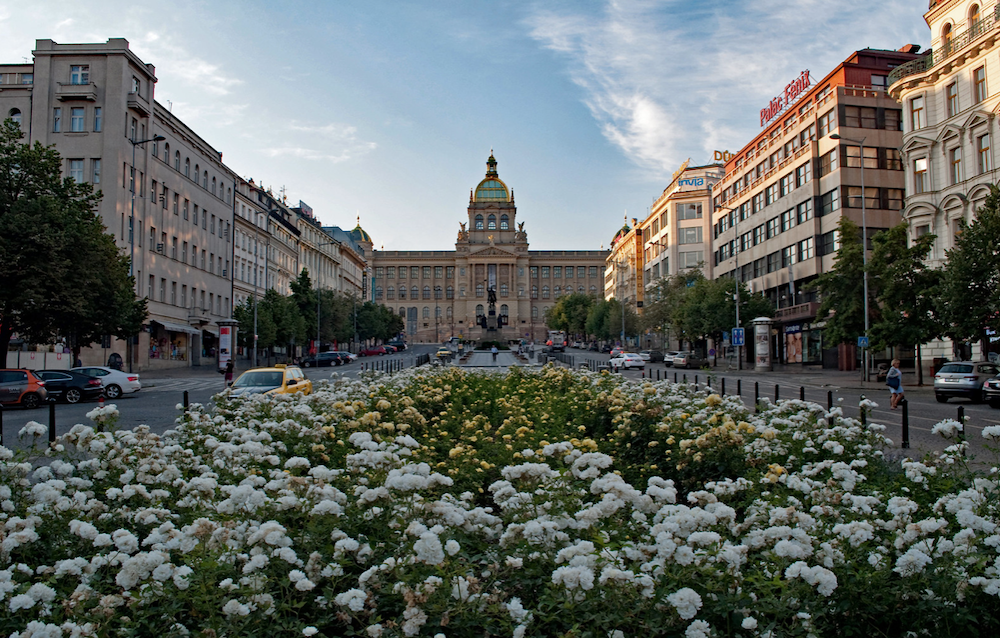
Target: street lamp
(131, 232)
(864, 244)
(737, 276)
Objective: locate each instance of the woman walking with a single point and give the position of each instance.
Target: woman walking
(229, 373)
(894, 379)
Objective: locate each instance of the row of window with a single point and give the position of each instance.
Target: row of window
(918, 104)
(217, 304)
(215, 187)
(411, 313)
(77, 119)
(448, 272)
(491, 222)
(956, 172)
(414, 292)
(415, 272)
(213, 264)
(170, 201)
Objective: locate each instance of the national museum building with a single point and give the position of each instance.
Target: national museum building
(442, 294)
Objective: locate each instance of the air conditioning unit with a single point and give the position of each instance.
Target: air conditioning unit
(159, 248)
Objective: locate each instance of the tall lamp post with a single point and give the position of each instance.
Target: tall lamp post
(864, 246)
(736, 275)
(131, 232)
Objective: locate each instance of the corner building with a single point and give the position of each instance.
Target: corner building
(441, 294)
(777, 209)
(950, 100)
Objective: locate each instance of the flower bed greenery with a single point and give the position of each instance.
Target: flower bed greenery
(541, 503)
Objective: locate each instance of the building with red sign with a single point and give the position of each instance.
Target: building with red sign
(777, 208)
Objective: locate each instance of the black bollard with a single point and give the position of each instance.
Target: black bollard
(802, 393)
(739, 388)
(723, 387)
(657, 375)
(675, 377)
(696, 382)
(756, 396)
(186, 403)
(906, 424)
(685, 377)
(829, 400)
(961, 419)
(775, 392)
(52, 422)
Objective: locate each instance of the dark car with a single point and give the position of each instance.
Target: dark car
(69, 386)
(372, 351)
(321, 360)
(21, 387)
(390, 349)
(398, 345)
(652, 356)
(344, 357)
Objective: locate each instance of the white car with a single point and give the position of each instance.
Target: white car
(627, 360)
(114, 382)
(668, 357)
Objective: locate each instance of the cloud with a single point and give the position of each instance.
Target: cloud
(666, 80)
(173, 60)
(328, 142)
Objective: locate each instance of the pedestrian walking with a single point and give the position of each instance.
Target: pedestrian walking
(495, 351)
(229, 373)
(894, 379)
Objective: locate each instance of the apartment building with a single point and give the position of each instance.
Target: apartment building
(950, 100)
(167, 196)
(776, 210)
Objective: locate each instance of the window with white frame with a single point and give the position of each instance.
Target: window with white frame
(918, 117)
(76, 170)
(983, 152)
(79, 74)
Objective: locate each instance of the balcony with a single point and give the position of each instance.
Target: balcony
(199, 316)
(799, 312)
(73, 92)
(988, 22)
(139, 104)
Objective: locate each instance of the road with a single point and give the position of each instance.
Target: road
(155, 405)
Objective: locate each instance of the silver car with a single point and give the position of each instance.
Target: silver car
(689, 360)
(963, 379)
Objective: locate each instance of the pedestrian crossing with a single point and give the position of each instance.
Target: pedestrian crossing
(180, 385)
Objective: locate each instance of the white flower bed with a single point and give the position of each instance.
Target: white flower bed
(352, 512)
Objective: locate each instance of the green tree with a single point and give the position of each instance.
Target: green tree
(842, 289)
(970, 290)
(376, 321)
(907, 291)
(303, 298)
(597, 320)
(570, 314)
(61, 272)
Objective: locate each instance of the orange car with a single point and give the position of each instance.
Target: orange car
(21, 387)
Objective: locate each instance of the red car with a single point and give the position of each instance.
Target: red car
(371, 352)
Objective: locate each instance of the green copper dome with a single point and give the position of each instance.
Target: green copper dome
(358, 234)
(491, 189)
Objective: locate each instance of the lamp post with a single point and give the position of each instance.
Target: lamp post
(864, 246)
(131, 232)
(736, 275)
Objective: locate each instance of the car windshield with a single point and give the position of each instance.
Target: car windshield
(956, 368)
(259, 378)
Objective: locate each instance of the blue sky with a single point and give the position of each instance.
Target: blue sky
(388, 110)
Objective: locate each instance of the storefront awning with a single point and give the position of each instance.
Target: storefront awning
(175, 327)
(212, 330)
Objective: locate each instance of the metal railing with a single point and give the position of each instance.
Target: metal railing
(987, 22)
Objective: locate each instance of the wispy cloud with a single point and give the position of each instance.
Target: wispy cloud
(173, 58)
(670, 79)
(328, 142)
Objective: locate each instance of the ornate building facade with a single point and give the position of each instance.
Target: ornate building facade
(443, 294)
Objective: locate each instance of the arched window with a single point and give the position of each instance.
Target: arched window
(479, 222)
(449, 292)
(491, 222)
(946, 39)
(593, 291)
(438, 292)
(166, 153)
(448, 313)
(581, 290)
(177, 161)
(534, 292)
(402, 312)
(414, 292)
(545, 292)
(427, 312)
(427, 292)
(390, 293)
(204, 180)
(974, 19)
(504, 290)
(503, 310)
(534, 312)
(15, 114)
(187, 167)
(558, 292)
(195, 173)
(378, 292)
(479, 310)
(402, 292)
(437, 312)
(480, 290)
(504, 222)
(213, 186)
(229, 194)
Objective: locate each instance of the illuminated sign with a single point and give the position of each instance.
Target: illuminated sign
(778, 104)
(722, 156)
(692, 181)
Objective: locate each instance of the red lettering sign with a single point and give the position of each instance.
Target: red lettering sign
(792, 91)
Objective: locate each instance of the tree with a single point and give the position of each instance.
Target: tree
(842, 288)
(304, 299)
(376, 321)
(597, 320)
(570, 314)
(970, 290)
(62, 273)
(906, 290)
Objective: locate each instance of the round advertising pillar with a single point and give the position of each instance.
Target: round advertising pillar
(762, 344)
(227, 341)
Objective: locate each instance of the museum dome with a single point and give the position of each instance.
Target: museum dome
(492, 188)
(358, 234)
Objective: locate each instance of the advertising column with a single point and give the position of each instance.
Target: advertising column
(762, 344)
(227, 338)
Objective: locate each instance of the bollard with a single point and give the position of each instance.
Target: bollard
(864, 416)
(961, 419)
(644, 373)
(675, 377)
(829, 400)
(739, 388)
(696, 382)
(723, 387)
(1, 425)
(657, 375)
(776, 393)
(802, 393)
(685, 377)
(756, 396)
(186, 400)
(906, 424)
(52, 423)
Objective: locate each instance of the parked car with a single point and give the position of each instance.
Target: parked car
(21, 387)
(279, 379)
(346, 357)
(627, 360)
(398, 345)
(652, 356)
(616, 351)
(321, 360)
(689, 360)
(593, 347)
(372, 351)
(991, 391)
(963, 379)
(71, 387)
(668, 357)
(115, 382)
(390, 349)
(444, 354)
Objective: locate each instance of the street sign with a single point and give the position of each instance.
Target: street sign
(862, 342)
(738, 338)
(711, 352)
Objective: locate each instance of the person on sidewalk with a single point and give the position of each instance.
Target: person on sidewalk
(894, 379)
(229, 373)
(495, 351)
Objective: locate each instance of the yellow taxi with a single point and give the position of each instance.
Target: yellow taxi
(279, 379)
(443, 353)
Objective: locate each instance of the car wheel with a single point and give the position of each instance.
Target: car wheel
(941, 398)
(73, 395)
(112, 391)
(31, 401)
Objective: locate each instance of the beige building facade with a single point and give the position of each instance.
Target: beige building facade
(442, 294)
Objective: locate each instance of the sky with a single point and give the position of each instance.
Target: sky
(387, 110)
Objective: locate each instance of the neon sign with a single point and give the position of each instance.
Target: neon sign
(793, 90)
